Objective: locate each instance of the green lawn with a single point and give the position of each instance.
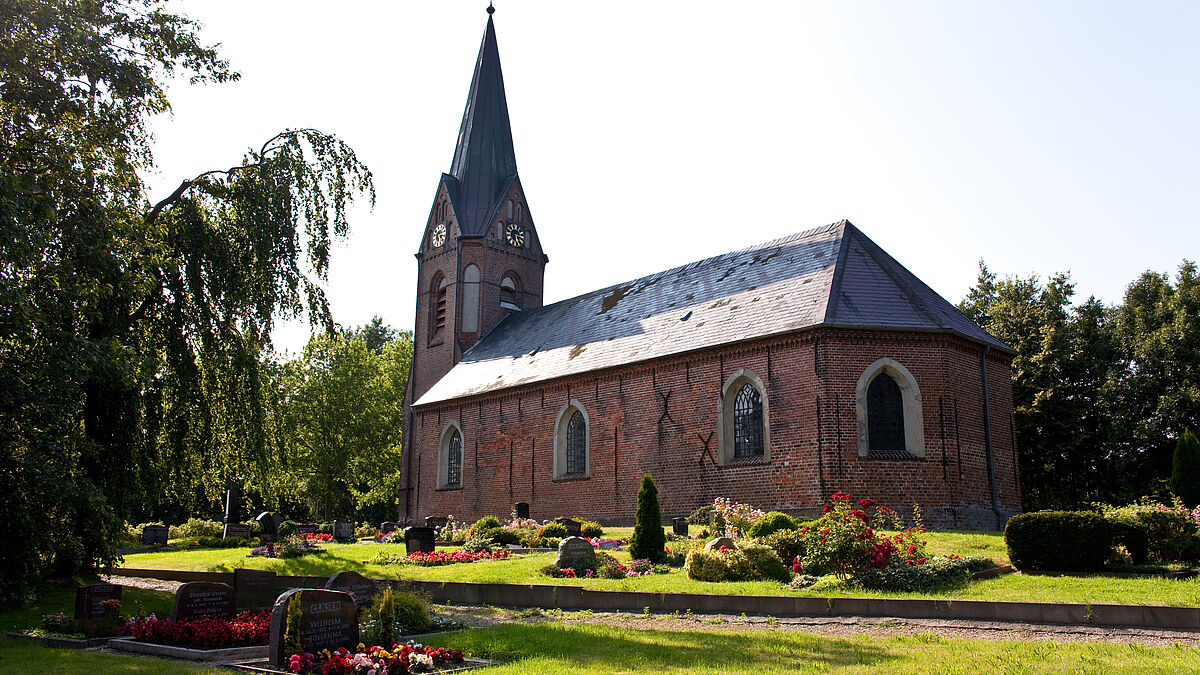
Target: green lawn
(562, 648)
(524, 570)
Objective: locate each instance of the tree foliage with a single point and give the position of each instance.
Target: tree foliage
(132, 334)
(1185, 469)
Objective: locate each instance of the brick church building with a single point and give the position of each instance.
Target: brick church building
(773, 375)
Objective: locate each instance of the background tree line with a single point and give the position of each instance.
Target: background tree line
(1101, 393)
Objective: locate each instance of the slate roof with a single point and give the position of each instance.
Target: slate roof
(832, 275)
(485, 163)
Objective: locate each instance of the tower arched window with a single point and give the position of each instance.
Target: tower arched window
(470, 318)
(510, 293)
(888, 403)
(744, 421)
(438, 308)
(572, 458)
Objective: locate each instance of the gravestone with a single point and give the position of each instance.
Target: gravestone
(388, 526)
(436, 522)
(204, 598)
(419, 539)
(154, 535)
(720, 543)
(268, 523)
(236, 531)
(328, 620)
(574, 527)
(255, 588)
(306, 528)
(680, 526)
(522, 509)
(361, 588)
(572, 549)
(88, 599)
(231, 506)
(343, 530)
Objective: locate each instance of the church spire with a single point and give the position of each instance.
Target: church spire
(484, 161)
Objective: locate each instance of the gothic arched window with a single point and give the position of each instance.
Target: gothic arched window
(571, 443)
(748, 423)
(470, 318)
(437, 308)
(885, 417)
(744, 426)
(450, 458)
(510, 292)
(576, 445)
(888, 403)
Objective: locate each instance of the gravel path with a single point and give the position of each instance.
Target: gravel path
(831, 626)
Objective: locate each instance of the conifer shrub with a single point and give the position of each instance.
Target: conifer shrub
(1185, 469)
(648, 540)
(1059, 541)
(291, 629)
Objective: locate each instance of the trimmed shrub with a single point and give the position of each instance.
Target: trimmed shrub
(1060, 541)
(788, 544)
(552, 531)
(498, 535)
(701, 516)
(764, 562)
(591, 529)
(704, 565)
(648, 540)
(1185, 469)
(1172, 533)
(770, 523)
(933, 575)
(195, 528)
(411, 613)
(1134, 537)
(484, 523)
(285, 528)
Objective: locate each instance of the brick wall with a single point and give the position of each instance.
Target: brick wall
(662, 418)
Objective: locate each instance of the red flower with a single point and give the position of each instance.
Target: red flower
(840, 495)
(866, 502)
(861, 515)
(827, 509)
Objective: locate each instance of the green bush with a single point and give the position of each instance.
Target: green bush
(1134, 537)
(195, 528)
(477, 544)
(648, 540)
(704, 565)
(499, 536)
(364, 530)
(788, 544)
(770, 523)
(702, 515)
(1061, 541)
(484, 523)
(393, 614)
(552, 531)
(285, 528)
(936, 574)
(764, 563)
(1185, 469)
(591, 529)
(1172, 533)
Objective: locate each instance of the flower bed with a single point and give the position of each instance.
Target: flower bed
(406, 658)
(246, 629)
(292, 546)
(436, 558)
(609, 569)
(317, 536)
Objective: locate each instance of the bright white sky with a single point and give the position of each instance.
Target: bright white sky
(1040, 135)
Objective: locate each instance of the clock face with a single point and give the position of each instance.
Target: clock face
(514, 234)
(439, 234)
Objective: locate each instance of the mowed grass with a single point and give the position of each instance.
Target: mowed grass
(525, 569)
(563, 648)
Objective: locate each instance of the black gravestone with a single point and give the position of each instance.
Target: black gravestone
(343, 530)
(306, 528)
(388, 526)
(574, 527)
(419, 539)
(680, 526)
(236, 531)
(88, 599)
(361, 588)
(522, 510)
(255, 588)
(268, 525)
(204, 598)
(436, 522)
(153, 535)
(328, 620)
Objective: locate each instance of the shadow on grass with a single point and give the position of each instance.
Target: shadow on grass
(613, 648)
(313, 565)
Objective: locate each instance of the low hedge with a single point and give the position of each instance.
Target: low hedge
(1059, 541)
(771, 523)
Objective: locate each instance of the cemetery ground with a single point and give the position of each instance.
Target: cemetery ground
(536, 641)
(525, 569)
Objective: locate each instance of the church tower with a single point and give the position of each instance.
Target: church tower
(479, 258)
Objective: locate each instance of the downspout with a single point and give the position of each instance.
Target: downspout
(987, 433)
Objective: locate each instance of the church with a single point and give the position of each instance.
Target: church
(774, 375)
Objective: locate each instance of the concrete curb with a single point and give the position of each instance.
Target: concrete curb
(575, 597)
(189, 653)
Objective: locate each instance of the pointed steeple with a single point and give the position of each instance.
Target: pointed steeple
(484, 161)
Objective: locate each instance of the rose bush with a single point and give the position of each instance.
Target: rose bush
(434, 558)
(845, 538)
(246, 629)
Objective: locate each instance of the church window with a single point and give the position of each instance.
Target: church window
(510, 293)
(571, 443)
(519, 217)
(888, 403)
(450, 458)
(743, 420)
(510, 209)
(747, 423)
(437, 328)
(470, 319)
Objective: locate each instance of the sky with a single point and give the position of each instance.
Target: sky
(1040, 136)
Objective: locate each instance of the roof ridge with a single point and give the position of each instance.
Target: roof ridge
(839, 269)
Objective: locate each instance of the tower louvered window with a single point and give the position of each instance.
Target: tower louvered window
(885, 418)
(439, 310)
(576, 445)
(454, 456)
(748, 423)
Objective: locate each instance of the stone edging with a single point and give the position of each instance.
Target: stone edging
(61, 642)
(128, 644)
(575, 597)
